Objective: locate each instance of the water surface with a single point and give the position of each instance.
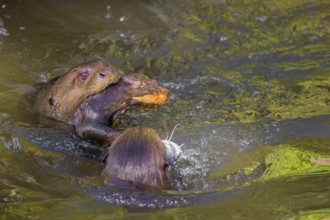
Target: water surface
(249, 84)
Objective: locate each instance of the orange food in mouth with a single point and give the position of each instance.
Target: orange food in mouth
(156, 99)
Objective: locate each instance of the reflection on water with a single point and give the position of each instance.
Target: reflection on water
(249, 85)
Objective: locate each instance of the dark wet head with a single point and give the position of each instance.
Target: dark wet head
(145, 93)
(137, 155)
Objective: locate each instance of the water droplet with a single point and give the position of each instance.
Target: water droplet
(108, 15)
(3, 32)
(123, 18)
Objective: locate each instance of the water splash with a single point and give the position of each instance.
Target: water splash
(3, 30)
(172, 149)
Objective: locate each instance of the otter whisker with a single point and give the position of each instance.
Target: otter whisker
(172, 132)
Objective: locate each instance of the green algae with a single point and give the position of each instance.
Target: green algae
(307, 156)
(290, 161)
(276, 101)
(272, 55)
(248, 31)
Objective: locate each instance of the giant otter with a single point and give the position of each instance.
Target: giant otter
(95, 115)
(137, 156)
(60, 98)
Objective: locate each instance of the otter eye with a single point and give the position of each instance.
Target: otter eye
(102, 74)
(84, 75)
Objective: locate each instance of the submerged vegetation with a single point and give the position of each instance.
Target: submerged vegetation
(250, 86)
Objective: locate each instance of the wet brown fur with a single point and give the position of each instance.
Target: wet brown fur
(137, 155)
(70, 89)
(94, 117)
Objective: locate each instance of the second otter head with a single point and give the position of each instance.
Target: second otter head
(95, 115)
(135, 91)
(138, 156)
(143, 92)
(70, 89)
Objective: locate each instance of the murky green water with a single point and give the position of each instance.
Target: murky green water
(250, 86)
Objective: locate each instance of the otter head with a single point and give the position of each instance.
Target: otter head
(93, 77)
(95, 116)
(137, 91)
(146, 91)
(70, 89)
(137, 155)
